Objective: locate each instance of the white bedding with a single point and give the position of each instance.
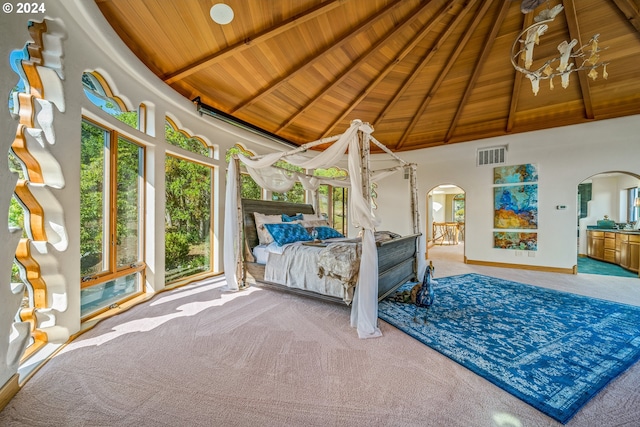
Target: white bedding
(328, 270)
(314, 268)
(261, 254)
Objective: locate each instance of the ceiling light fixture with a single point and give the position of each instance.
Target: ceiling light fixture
(221, 13)
(588, 54)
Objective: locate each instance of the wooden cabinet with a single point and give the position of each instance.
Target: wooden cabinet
(595, 244)
(634, 252)
(616, 247)
(622, 240)
(609, 247)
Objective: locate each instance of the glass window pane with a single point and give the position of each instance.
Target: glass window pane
(339, 217)
(129, 202)
(249, 190)
(187, 219)
(104, 294)
(323, 200)
(458, 208)
(93, 200)
(179, 138)
(98, 95)
(295, 195)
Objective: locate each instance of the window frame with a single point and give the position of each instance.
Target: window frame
(112, 271)
(632, 209)
(212, 170)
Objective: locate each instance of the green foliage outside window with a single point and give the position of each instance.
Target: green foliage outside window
(98, 95)
(180, 139)
(458, 208)
(333, 200)
(92, 196)
(297, 193)
(249, 189)
(188, 188)
(187, 218)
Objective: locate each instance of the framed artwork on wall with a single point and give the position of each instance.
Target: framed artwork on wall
(515, 174)
(516, 207)
(522, 241)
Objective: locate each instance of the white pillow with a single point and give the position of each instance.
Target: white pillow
(312, 217)
(264, 237)
(317, 222)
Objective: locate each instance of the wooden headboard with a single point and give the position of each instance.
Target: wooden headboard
(267, 207)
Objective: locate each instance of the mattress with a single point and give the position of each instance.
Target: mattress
(261, 253)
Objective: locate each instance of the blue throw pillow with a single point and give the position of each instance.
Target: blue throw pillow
(327, 233)
(284, 233)
(287, 218)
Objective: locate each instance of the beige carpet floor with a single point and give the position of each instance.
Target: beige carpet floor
(197, 356)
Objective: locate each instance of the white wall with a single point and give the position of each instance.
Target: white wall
(565, 157)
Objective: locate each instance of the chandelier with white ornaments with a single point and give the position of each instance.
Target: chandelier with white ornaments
(585, 58)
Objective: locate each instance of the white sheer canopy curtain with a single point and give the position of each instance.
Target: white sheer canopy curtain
(364, 311)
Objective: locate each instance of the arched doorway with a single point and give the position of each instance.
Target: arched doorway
(608, 224)
(446, 214)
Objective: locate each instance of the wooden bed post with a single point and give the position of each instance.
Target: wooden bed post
(413, 182)
(365, 151)
(415, 215)
(240, 268)
(316, 197)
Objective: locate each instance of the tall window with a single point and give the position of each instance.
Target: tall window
(248, 187)
(333, 201)
(333, 204)
(187, 218)
(632, 207)
(297, 193)
(458, 208)
(111, 229)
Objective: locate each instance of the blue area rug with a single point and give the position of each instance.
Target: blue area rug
(554, 350)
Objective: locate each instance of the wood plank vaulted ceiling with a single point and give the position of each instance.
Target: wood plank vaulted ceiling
(423, 73)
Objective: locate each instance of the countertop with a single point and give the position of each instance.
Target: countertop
(613, 230)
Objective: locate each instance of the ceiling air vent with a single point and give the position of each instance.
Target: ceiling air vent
(491, 156)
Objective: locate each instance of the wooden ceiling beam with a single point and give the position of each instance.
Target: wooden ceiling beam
(382, 74)
(488, 44)
(517, 81)
(631, 11)
(283, 26)
(423, 63)
(307, 62)
(466, 36)
(373, 49)
(574, 33)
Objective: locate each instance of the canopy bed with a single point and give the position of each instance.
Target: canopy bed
(334, 281)
(357, 271)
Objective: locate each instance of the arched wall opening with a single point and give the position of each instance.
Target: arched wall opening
(608, 224)
(446, 218)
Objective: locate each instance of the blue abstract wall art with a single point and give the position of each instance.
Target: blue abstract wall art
(516, 206)
(515, 174)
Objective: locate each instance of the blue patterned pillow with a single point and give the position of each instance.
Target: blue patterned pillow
(287, 218)
(327, 233)
(287, 232)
